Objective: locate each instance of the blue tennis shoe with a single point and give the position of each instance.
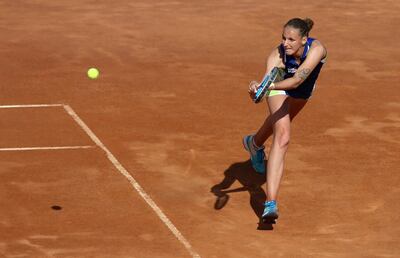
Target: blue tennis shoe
(270, 213)
(257, 155)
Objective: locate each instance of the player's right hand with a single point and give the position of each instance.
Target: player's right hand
(253, 86)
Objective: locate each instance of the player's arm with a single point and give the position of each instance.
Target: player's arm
(272, 61)
(316, 54)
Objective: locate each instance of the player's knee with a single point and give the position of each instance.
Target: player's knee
(283, 142)
(282, 137)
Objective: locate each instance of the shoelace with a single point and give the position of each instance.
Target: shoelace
(270, 206)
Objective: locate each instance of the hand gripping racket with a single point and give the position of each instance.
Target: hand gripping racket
(262, 89)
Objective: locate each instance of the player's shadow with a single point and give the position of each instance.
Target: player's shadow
(251, 182)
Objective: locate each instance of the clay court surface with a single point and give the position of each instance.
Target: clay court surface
(163, 125)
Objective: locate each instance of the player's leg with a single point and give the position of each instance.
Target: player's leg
(295, 106)
(280, 121)
(280, 118)
(254, 144)
(266, 130)
(283, 109)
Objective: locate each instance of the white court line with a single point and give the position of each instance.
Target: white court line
(133, 182)
(31, 106)
(46, 148)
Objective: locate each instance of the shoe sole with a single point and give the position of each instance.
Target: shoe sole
(271, 219)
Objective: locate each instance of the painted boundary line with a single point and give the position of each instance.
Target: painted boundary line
(133, 182)
(39, 148)
(114, 161)
(46, 148)
(31, 106)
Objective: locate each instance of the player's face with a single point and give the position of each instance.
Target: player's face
(292, 41)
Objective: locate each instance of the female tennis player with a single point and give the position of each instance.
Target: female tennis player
(301, 58)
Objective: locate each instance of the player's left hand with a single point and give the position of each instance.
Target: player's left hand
(253, 86)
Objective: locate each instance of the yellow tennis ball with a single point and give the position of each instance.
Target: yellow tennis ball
(93, 73)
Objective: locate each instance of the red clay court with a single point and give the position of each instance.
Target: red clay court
(124, 166)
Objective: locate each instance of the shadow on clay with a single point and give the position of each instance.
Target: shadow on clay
(251, 182)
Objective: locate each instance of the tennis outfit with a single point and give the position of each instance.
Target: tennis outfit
(305, 89)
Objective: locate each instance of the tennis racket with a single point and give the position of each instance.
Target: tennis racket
(262, 89)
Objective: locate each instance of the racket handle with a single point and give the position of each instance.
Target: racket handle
(262, 90)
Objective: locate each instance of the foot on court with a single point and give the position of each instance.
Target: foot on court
(270, 213)
(257, 155)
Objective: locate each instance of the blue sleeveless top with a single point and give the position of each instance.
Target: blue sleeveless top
(304, 90)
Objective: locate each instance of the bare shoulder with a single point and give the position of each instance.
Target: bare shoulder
(276, 58)
(318, 47)
(317, 44)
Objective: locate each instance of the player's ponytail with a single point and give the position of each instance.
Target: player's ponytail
(309, 23)
(303, 25)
